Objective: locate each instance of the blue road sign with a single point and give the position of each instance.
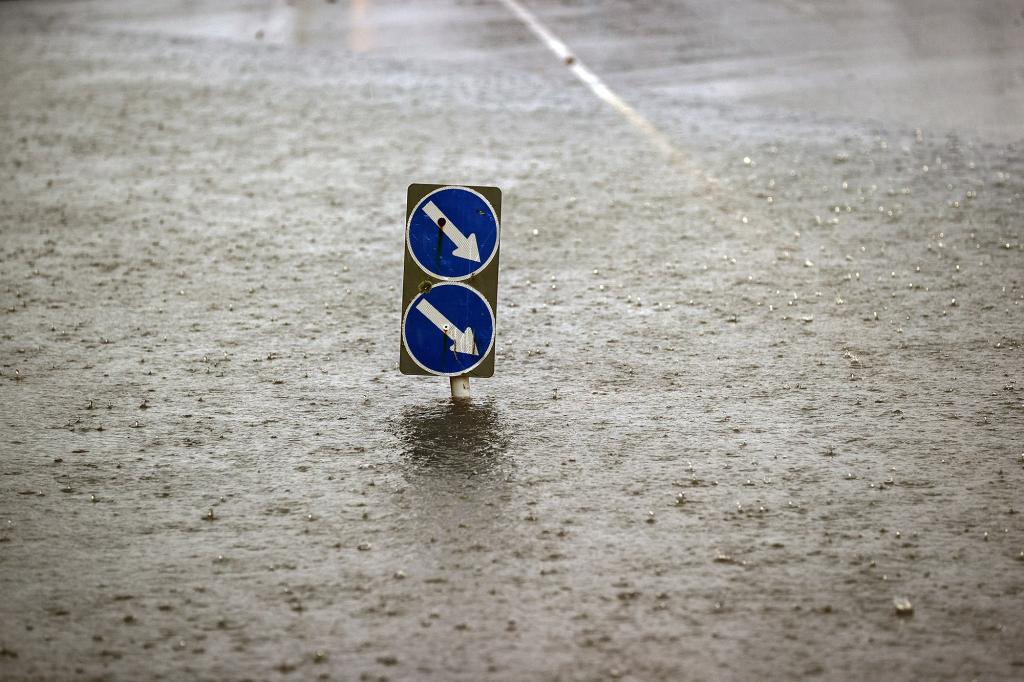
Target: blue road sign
(448, 330)
(453, 233)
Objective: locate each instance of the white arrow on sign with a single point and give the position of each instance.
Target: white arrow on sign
(464, 342)
(465, 247)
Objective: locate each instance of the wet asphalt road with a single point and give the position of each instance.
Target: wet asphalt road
(746, 399)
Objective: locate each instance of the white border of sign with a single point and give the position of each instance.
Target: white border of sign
(483, 356)
(484, 264)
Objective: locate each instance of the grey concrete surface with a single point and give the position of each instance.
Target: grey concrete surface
(732, 421)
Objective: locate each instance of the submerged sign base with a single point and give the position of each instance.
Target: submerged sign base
(450, 285)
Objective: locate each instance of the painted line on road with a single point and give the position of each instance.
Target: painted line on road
(592, 81)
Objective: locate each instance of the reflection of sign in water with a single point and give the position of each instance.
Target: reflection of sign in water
(449, 329)
(453, 233)
(449, 440)
(450, 288)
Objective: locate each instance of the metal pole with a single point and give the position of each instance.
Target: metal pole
(460, 387)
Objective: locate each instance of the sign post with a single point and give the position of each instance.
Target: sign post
(450, 283)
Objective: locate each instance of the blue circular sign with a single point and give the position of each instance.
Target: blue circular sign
(448, 330)
(453, 233)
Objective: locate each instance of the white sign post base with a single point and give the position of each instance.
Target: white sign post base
(460, 386)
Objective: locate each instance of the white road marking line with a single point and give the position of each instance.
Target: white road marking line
(464, 341)
(465, 247)
(591, 80)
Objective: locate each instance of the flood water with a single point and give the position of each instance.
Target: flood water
(757, 408)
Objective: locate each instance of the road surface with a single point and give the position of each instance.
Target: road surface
(759, 359)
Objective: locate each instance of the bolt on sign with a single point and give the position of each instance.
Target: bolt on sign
(450, 286)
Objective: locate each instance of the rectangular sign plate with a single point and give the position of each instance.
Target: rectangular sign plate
(450, 285)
